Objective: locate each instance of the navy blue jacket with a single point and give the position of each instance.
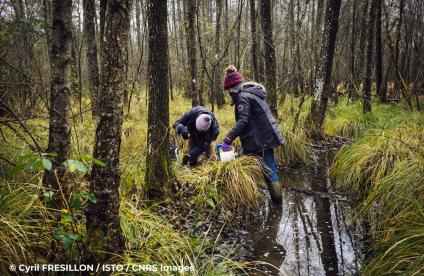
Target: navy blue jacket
(256, 127)
(187, 123)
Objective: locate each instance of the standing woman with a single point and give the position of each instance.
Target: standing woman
(256, 127)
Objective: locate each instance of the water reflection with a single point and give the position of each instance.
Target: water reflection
(310, 228)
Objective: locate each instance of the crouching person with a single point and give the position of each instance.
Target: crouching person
(201, 128)
(255, 125)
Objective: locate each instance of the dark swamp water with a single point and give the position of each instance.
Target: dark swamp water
(312, 232)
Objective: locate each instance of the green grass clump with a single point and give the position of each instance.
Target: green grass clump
(24, 226)
(231, 185)
(385, 165)
(349, 120)
(396, 206)
(370, 158)
(295, 149)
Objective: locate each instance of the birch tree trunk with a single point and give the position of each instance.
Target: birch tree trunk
(324, 68)
(368, 71)
(157, 159)
(254, 39)
(381, 90)
(270, 62)
(91, 53)
(59, 130)
(217, 89)
(103, 221)
(190, 11)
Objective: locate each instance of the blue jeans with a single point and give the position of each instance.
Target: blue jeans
(268, 157)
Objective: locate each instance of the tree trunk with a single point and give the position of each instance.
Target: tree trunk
(217, 73)
(91, 53)
(381, 90)
(237, 50)
(398, 37)
(362, 40)
(324, 68)
(270, 62)
(352, 88)
(103, 221)
(102, 12)
(157, 159)
(254, 40)
(190, 10)
(59, 130)
(368, 70)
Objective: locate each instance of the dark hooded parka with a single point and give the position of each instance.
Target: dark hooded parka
(256, 127)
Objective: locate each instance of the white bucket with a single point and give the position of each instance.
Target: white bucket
(226, 156)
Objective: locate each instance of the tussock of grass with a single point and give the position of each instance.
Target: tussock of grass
(370, 158)
(24, 227)
(386, 166)
(233, 184)
(396, 207)
(150, 236)
(295, 150)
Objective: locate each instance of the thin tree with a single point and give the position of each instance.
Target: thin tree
(381, 90)
(270, 62)
(59, 130)
(217, 89)
(324, 68)
(368, 71)
(103, 221)
(157, 160)
(254, 39)
(352, 88)
(190, 11)
(362, 41)
(89, 7)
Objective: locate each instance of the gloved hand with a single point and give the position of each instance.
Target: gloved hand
(225, 146)
(226, 143)
(186, 159)
(185, 135)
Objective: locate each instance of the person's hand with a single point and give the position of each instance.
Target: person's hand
(185, 135)
(226, 143)
(225, 146)
(186, 159)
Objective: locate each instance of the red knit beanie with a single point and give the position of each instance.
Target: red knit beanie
(233, 78)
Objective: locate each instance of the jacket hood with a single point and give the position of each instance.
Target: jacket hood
(255, 89)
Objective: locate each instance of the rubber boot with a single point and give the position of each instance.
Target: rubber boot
(274, 188)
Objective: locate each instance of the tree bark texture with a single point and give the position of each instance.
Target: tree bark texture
(324, 68)
(370, 52)
(270, 63)
(157, 160)
(381, 90)
(254, 39)
(217, 87)
(362, 41)
(103, 221)
(91, 53)
(59, 129)
(190, 11)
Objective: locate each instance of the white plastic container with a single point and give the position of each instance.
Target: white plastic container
(226, 156)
